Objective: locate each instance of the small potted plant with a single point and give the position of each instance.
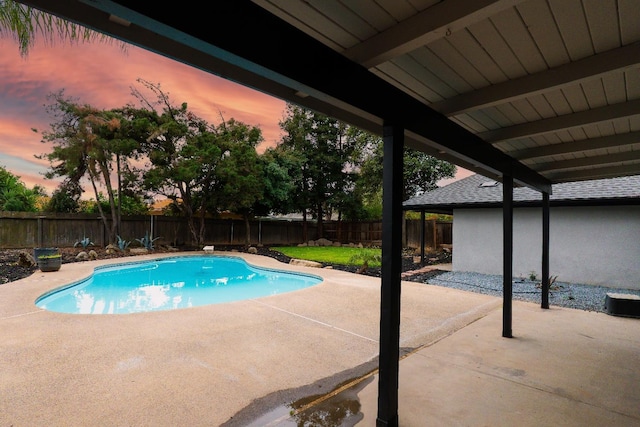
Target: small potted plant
(49, 260)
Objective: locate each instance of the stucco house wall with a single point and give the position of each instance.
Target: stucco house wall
(595, 245)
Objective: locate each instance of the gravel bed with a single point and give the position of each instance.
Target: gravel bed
(569, 295)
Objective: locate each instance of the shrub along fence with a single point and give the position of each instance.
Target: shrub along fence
(31, 230)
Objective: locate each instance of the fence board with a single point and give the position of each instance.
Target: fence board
(30, 230)
(436, 233)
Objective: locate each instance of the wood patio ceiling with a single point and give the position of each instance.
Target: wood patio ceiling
(547, 91)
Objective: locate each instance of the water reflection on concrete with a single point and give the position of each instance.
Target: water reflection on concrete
(339, 410)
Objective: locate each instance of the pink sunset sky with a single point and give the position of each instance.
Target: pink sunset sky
(102, 75)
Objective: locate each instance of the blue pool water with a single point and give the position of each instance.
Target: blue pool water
(171, 283)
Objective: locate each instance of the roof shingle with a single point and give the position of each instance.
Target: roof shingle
(469, 192)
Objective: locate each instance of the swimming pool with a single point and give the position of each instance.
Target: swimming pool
(171, 283)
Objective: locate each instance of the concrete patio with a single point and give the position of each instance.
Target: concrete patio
(259, 362)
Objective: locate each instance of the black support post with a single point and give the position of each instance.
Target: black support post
(545, 250)
(422, 230)
(507, 255)
(392, 187)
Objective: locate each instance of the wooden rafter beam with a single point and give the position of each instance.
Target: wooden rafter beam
(573, 73)
(567, 121)
(586, 145)
(432, 24)
(592, 161)
(599, 173)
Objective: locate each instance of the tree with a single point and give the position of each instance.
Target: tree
(239, 172)
(130, 205)
(15, 196)
(421, 172)
(325, 151)
(279, 169)
(183, 152)
(88, 142)
(65, 198)
(350, 202)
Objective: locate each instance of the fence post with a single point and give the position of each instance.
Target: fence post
(404, 229)
(40, 231)
(103, 236)
(435, 235)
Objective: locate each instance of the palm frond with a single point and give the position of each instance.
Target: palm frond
(25, 23)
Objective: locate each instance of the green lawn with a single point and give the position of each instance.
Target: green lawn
(332, 254)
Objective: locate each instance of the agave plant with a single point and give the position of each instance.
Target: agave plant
(84, 242)
(147, 242)
(123, 244)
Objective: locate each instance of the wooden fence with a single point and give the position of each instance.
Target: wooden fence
(30, 230)
(436, 233)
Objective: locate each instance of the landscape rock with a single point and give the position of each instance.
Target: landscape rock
(82, 256)
(324, 242)
(139, 251)
(25, 259)
(305, 263)
(111, 248)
